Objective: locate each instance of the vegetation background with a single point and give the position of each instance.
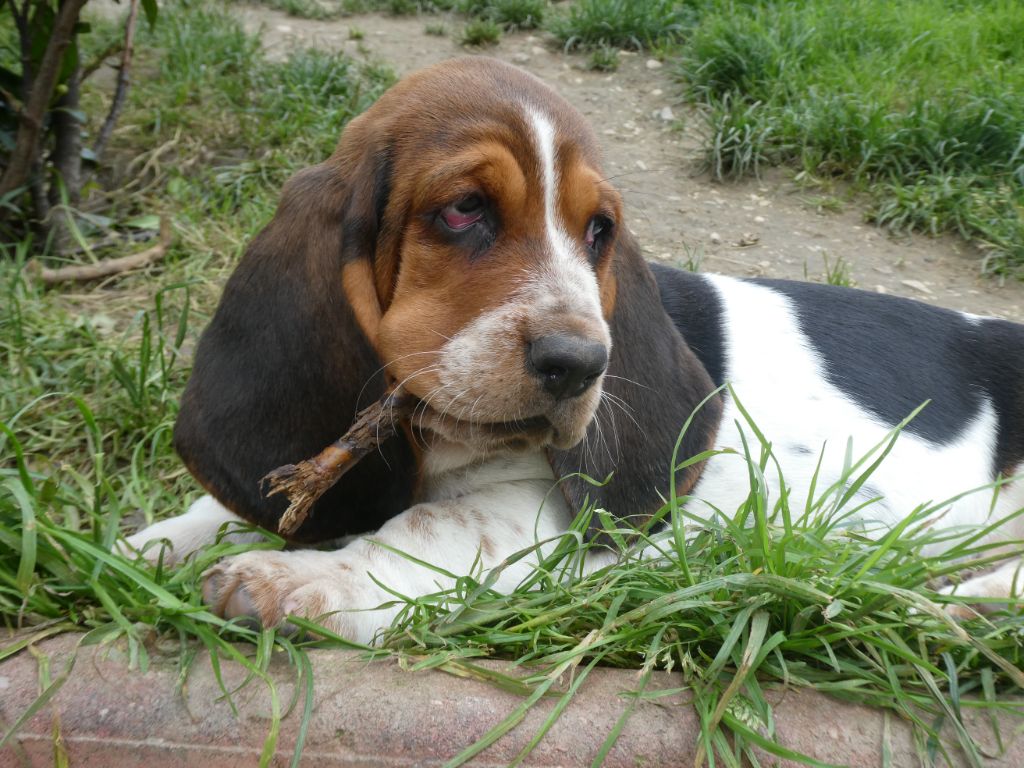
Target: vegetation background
(918, 105)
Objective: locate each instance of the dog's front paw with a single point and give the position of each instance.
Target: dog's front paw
(1002, 583)
(270, 586)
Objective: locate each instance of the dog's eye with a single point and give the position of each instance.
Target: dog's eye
(598, 230)
(464, 213)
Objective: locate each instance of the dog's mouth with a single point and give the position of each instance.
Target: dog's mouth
(426, 418)
(519, 426)
(518, 433)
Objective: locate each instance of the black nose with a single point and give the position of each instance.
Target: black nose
(567, 365)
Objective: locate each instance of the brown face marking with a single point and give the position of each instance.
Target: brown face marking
(357, 281)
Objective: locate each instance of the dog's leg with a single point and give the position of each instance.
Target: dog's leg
(473, 532)
(1006, 581)
(187, 533)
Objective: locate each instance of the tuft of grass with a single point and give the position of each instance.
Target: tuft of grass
(838, 272)
(911, 100)
(630, 24)
(306, 9)
(509, 14)
(436, 30)
(604, 59)
(355, 33)
(479, 33)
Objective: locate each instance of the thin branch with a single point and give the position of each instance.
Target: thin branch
(107, 267)
(98, 61)
(123, 81)
(31, 117)
(40, 203)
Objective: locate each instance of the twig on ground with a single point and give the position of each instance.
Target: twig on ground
(107, 267)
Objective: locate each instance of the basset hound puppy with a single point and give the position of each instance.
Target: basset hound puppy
(463, 241)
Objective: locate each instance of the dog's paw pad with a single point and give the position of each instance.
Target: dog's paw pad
(253, 585)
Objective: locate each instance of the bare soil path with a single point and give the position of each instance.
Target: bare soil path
(770, 227)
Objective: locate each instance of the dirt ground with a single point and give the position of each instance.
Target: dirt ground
(771, 227)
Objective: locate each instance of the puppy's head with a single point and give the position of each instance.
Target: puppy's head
(462, 242)
(488, 286)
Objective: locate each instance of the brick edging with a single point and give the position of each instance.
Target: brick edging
(378, 714)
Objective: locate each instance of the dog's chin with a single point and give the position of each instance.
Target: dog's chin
(562, 429)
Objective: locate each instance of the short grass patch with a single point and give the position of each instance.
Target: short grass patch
(916, 102)
(630, 24)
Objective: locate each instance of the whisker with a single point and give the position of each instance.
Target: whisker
(382, 368)
(623, 378)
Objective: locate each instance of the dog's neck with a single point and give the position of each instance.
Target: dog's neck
(449, 470)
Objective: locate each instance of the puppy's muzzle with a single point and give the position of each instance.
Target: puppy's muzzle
(566, 365)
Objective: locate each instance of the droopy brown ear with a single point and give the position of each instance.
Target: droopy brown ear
(284, 365)
(653, 383)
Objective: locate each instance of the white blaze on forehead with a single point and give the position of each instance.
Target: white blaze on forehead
(566, 277)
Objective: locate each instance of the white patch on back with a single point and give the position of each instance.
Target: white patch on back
(780, 380)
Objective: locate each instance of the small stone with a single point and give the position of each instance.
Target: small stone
(283, 28)
(917, 285)
(883, 269)
(641, 165)
(656, 92)
(665, 113)
(715, 238)
(881, 289)
(653, 64)
(520, 58)
(537, 50)
(759, 219)
(748, 239)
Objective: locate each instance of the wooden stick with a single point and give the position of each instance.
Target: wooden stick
(307, 481)
(107, 267)
(123, 79)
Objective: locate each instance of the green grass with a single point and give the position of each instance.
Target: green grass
(918, 102)
(763, 596)
(604, 59)
(480, 33)
(307, 9)
(631, 24)
(509, 14)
